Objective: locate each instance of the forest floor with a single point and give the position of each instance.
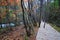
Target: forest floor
(18, 33)
(47, 32)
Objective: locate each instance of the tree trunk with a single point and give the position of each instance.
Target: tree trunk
(41, 5)
(24, 18)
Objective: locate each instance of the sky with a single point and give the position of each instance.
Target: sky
(45, 0)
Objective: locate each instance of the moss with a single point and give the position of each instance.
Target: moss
(3, 29)
(26, 38)
(55, 27)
